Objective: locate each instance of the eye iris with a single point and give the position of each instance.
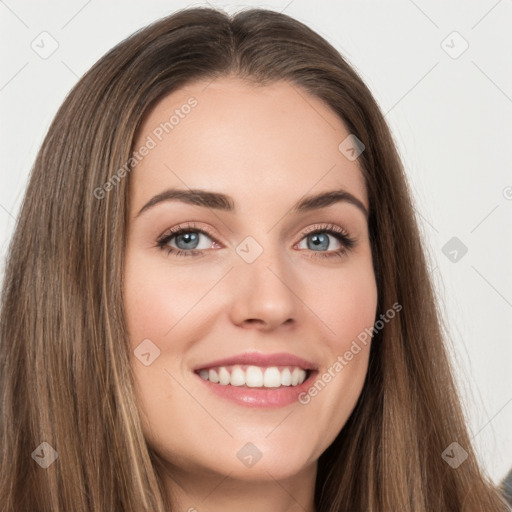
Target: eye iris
(320, 240)
(188, 237)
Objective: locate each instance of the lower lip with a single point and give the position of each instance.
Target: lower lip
(257, 397)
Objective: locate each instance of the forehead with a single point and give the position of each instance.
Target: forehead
(259, 143)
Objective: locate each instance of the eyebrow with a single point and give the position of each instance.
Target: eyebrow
(219, 201)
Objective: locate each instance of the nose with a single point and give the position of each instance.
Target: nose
(265, 294)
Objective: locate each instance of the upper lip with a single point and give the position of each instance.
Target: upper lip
(259, 359)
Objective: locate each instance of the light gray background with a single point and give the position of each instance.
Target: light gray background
(450, 114)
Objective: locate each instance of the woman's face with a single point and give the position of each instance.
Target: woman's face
(250, 278)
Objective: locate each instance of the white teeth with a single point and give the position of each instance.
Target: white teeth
(237, 377)
(295, 376)
(254, 376)
(272, 378)
(224, 376)
(213, 376)
(286, 377)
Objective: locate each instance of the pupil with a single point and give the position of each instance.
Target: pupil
(188, 238)
(316, 239)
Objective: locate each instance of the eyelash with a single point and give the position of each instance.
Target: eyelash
(340, 234)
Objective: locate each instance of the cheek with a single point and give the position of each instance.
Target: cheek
(156, 300)
(158, 297)
(346, 302)
(354, 308)
(148, 305)
(348, 309)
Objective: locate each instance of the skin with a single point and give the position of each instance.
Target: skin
(266, 147)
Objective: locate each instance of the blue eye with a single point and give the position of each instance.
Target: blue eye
(190, 239)
(187, 238)
(319, 240)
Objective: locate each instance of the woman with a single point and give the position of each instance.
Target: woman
(216, 295)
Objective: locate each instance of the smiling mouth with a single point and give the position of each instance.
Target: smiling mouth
(250, 376)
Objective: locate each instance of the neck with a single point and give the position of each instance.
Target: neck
(214, 492)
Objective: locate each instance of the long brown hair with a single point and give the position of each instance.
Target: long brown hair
(65, 356)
